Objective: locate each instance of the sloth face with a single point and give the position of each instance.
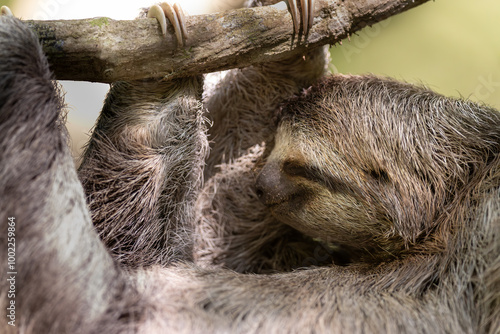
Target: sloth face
(368, 164)
(308, 185)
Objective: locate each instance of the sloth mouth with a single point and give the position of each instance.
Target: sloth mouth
(278, 199)
(287, 204)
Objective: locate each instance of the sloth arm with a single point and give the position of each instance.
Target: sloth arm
(64, 277)
(233, 228)
(324, 300)
(142, 168)
(242, 103)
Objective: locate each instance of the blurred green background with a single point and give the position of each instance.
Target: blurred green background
(452, 46)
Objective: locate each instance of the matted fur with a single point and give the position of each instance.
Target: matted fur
(426, 165)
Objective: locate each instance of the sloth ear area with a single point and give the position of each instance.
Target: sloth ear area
(175, 15)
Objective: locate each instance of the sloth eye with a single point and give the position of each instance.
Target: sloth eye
(379, 174)
(295, 168)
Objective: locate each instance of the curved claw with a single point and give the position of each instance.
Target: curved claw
(156, 12)
(294, 10)
(176, 17)
(4, 10)
(182, 19)
(312, 3)
(304, 4)
(306, 15)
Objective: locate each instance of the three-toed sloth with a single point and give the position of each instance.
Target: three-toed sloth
(359, 205)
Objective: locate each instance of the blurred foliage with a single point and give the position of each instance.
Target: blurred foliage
(451, 46)
(6, 3)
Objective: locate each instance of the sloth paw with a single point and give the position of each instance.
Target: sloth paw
(4, 10)
(176, 17)
(303, 20)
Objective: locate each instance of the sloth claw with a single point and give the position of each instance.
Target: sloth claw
(176, 17)
(304, 19)
(4, 10)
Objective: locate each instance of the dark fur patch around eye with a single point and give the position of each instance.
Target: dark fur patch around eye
(295, 168)
(380, 175)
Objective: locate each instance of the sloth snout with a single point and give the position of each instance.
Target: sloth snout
(272, 186)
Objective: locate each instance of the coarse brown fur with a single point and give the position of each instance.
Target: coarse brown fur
(398, 184)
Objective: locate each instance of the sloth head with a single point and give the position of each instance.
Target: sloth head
(371, 164)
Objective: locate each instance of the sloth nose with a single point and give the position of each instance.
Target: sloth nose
(272, 186)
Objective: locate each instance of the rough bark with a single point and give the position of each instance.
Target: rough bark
(106, 50)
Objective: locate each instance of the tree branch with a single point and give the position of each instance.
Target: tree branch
(105, 50)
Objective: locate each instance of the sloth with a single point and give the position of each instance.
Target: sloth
(313, 204)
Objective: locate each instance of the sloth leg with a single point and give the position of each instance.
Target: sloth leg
(61, 277)
(143, 165)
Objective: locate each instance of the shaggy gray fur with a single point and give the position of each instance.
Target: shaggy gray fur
(184, 257)
(143, 167)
